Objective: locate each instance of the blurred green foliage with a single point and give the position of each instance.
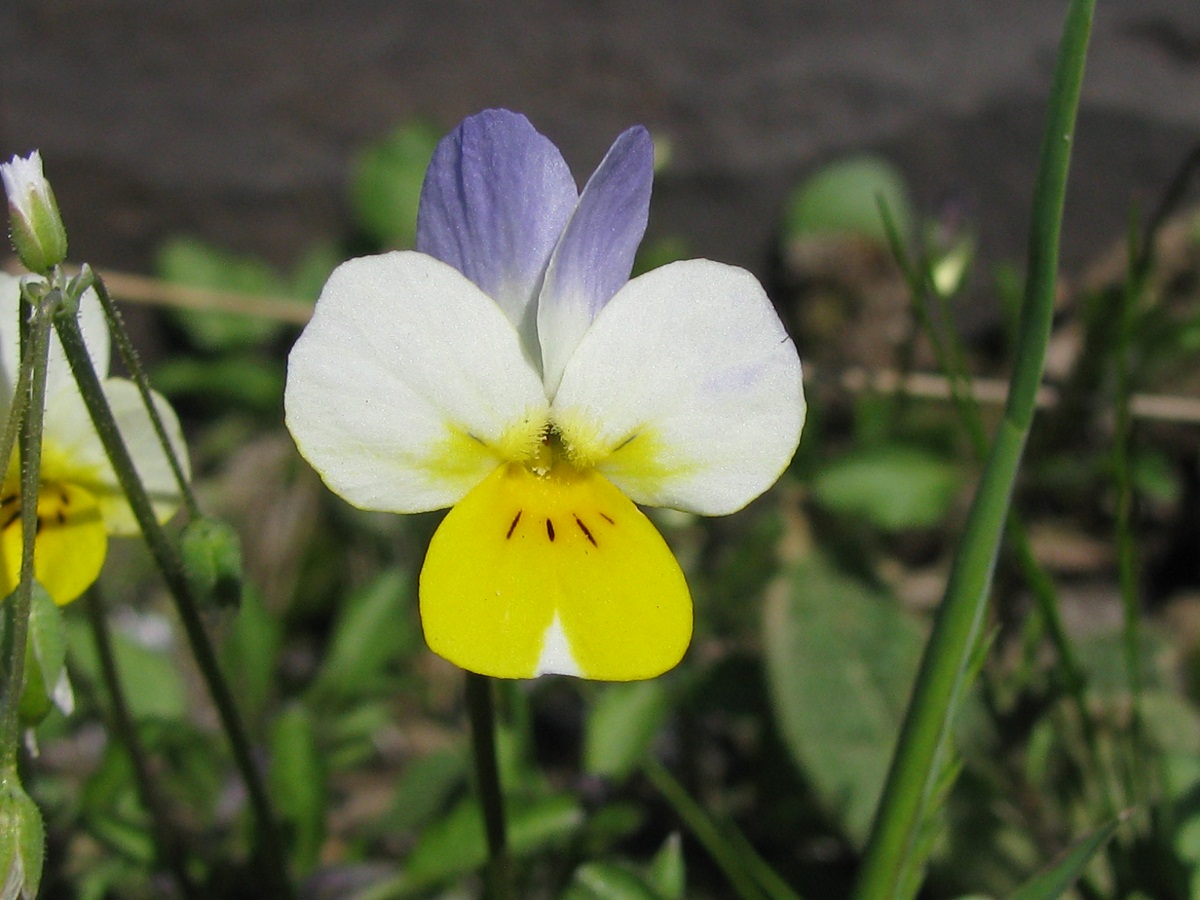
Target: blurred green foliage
(812, 607)
(385, 187)
(844, 198)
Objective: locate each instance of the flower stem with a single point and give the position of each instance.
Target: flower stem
(89, 278)
(921, 750)
(170, 847)
(166, 556)
(481, 711)
(35, 344)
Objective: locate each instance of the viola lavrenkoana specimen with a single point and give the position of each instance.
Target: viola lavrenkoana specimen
(511, 370)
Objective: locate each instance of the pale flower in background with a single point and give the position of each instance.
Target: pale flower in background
(80, 502)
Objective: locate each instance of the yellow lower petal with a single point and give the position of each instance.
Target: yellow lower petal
(70, 547)
(553, 573)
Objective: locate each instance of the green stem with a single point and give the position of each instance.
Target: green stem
(35, 345)
(940, 680)
(1127, 567)
(950, 358)
(89, 278)
(166, 556)
(749, 875)
(481, 711)
(167, 840)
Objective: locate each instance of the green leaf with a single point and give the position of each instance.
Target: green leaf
(621, 725)
(425, 787)
(251, 652)
(608, 881)
(312, 271)
(1055, 881)
(352, 733)
(656, 253)
(45, 654)
(449, 846)
(843, 199)
(456, 843)
(840, 662)
(667, 873)
(246, 381)
(375, 628)
(112, 809)
(298, 784)
(152, 685)
(386, 185)
(891, 486)
(192, 262)
(22, 840)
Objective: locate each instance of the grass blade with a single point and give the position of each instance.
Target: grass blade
(1054, 882)
(940, 682)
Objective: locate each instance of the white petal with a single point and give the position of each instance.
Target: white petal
(409, 385)
(23, 176)
(556, 657)
(10, 296)
(72, 450)
(58, 373)
(686, 392)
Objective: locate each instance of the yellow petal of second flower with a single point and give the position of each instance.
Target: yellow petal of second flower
(560, 572)
(70, 546)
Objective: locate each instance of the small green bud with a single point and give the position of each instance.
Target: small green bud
(22, 841)
(212, 561)
(37, 229)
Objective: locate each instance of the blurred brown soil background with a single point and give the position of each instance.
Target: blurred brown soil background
(235, 120)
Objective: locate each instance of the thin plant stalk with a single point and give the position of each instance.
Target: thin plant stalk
(950, 359)
(35, 345)
(482, 713)
(940, 681)
(1127, 552)
(167, 839)
(167, 558)
(129, 357)
(749, 874)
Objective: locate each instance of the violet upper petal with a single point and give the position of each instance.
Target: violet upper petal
(595, 254)
(495, 200)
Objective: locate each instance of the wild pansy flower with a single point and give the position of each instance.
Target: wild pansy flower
(511, 370)
(79, 501)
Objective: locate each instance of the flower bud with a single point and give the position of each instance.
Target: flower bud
(37, 229)
(212, 561)
(22, 842)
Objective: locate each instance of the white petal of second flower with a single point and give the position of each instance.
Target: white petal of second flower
(409, 385)
(686, 392)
